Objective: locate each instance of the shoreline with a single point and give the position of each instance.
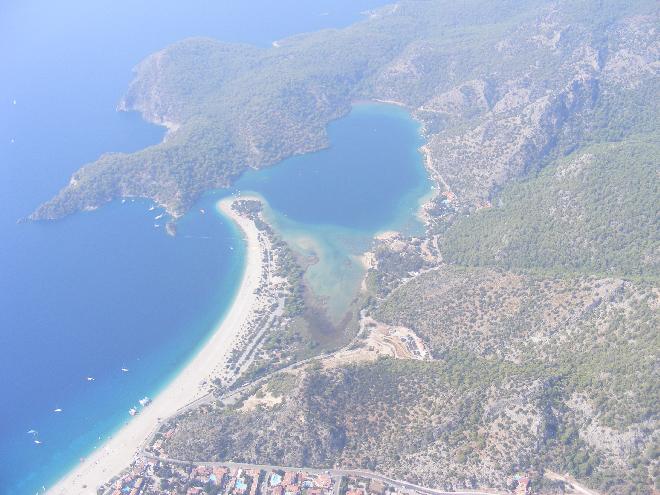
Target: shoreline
(190, 384)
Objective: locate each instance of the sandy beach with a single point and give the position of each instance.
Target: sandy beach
(118, 452)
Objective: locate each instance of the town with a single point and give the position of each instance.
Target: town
(150, 476)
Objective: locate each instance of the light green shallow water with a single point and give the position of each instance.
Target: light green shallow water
(332, 203)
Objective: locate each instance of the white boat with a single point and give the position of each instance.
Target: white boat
(132, 411)
(90, 378)
(202, 211)
(38, 442)
(144, 402)
(125, 370)
(152, 208)
(58, 410)
(32, 432)
(159, 216)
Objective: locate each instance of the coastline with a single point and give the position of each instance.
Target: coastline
(190, 384)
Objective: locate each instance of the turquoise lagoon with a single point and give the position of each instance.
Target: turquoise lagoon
(105, 290)
(332, 203)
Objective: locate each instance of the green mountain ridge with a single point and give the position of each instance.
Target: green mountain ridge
(534, 288)
(233, 107)
(595, 211)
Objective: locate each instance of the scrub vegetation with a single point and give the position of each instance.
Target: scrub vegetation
(534, 287)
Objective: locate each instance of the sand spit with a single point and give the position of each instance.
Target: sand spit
(191, 384)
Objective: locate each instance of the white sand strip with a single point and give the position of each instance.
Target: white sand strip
(118, 452)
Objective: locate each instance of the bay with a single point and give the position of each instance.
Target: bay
(105, 290)
(329, 205)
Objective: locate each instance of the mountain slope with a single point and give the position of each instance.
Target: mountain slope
(595, 211)
(473, 71)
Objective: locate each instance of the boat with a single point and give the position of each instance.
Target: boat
(144, 402)
(38, 442)
(152, 208)
(202, 211)
(125, 370)
(58, 410)
(132, 411)
(90, 378)
(159, 216)
(32, 432)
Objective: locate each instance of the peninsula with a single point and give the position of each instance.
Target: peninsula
(510, 347)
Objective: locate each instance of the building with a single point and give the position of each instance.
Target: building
(523, 486)
(275, 479)
(323, 481)
(376, 487)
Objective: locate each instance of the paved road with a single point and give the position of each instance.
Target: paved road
(335, 473)
(566, 479)
(209, 397)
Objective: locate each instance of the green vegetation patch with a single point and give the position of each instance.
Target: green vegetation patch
(596, 211)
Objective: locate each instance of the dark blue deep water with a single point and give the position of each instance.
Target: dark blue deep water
(106, 290)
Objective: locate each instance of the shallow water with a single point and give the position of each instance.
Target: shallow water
(330, 204)
(106, 290)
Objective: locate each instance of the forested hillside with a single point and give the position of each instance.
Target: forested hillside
(534, 288)
(527, 374)
(495, 85)
(594, 211)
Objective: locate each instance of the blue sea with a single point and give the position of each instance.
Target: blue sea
(105, 290)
